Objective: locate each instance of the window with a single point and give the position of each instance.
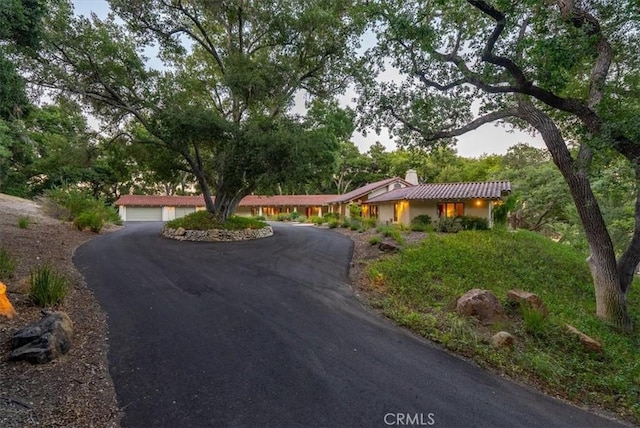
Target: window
(395, 213)
(451, 209)
(373, 211)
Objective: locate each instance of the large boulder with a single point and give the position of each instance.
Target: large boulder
(43, 341)
(530, 299)
(482, 304)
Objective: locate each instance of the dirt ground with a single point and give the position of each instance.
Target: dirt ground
(75, 390)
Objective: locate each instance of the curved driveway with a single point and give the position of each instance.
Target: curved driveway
(269, 333)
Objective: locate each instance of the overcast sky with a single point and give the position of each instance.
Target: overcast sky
(487, 139)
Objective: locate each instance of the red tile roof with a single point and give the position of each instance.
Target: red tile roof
(447, 191)
(368, 188)
(247, 201)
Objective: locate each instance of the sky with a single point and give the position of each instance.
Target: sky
(488, 139)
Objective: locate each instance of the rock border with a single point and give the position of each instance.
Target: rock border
(217, 235)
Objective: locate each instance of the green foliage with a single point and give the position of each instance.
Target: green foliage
(355, 211)
(421, 223)
(89, 219)
(473, 223)
(391, 232)
(346, 223)
(24, 222)
(81, 208)
(294, 215)
(7, 264)
(331, 216)
(375, 240)
(355, 224)
(449, 225)
(283, 217)
(424, 282)
(333, 223)
(317, 220)
(48, 287)
(203, 220)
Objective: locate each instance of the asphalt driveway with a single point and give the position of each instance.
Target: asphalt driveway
(269, 333)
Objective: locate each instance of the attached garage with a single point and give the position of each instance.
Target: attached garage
(144, 214)
(183, 211)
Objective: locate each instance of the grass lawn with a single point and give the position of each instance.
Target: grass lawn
(419, 287)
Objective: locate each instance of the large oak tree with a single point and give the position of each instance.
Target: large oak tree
(223, 99)
(567, 68)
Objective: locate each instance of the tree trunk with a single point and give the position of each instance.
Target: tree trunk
(611, 303)
(226, 204)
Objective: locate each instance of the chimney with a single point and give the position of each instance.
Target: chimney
(412, 177)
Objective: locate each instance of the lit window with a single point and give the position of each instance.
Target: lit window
(451, 209)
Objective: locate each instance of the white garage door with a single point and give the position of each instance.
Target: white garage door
(144, 213)
(183, 211)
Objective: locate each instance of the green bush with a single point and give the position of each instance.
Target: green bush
(260, 218)
(294, 215)
(473, 223)
(69, 204)
(449, 225)
(334, 216)
(48, 287)
(333, 223)
(316, 220)
(24, 222)
(346, 223)
(7, 264)
(374, 240)
(93, 220)
(302, 219)
(355, 224)
(355, 211)
(391, 232)
(283, 217)
(203, 220)
(421, 223)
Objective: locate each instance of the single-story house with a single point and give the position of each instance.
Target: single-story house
(165, 208)
(439, 200)
(360, 196)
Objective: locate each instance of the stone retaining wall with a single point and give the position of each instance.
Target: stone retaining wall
(216, 235)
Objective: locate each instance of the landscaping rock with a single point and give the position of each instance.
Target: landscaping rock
(387, 247)
(6, 308)
(214, 235)
(43, 341)
(482, 304)
(503, 339)
(527, 298)
(20, 286)
(589, 343)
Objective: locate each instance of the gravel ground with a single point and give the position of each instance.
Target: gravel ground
(75, 390)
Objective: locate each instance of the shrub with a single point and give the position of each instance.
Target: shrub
(294, 215)
(302, 219)
(48, 287)
(203, 220)
(259, 218)
(535, 323)
(333, 223)
(473, 223)
(333, 216)
(375, 240)
(449, 225)
(346, 223)
(391, 232)
(368, 223)
(89, 219)
(355, 224)
(316, 220)
(421, 223)
(24, 222)
(69, 204)
(355, 211)
(283, 217)
(7, 264)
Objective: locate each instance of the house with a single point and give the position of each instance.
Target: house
(360, 196)
(165, 208)
(439, 200)
(393, 200)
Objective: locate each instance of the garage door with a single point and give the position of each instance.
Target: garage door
(183, 211)
(144, 213)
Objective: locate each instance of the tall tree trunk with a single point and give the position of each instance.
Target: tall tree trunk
(611, 303)
(226, 204)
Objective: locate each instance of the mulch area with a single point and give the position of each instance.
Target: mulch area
(75, 390)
